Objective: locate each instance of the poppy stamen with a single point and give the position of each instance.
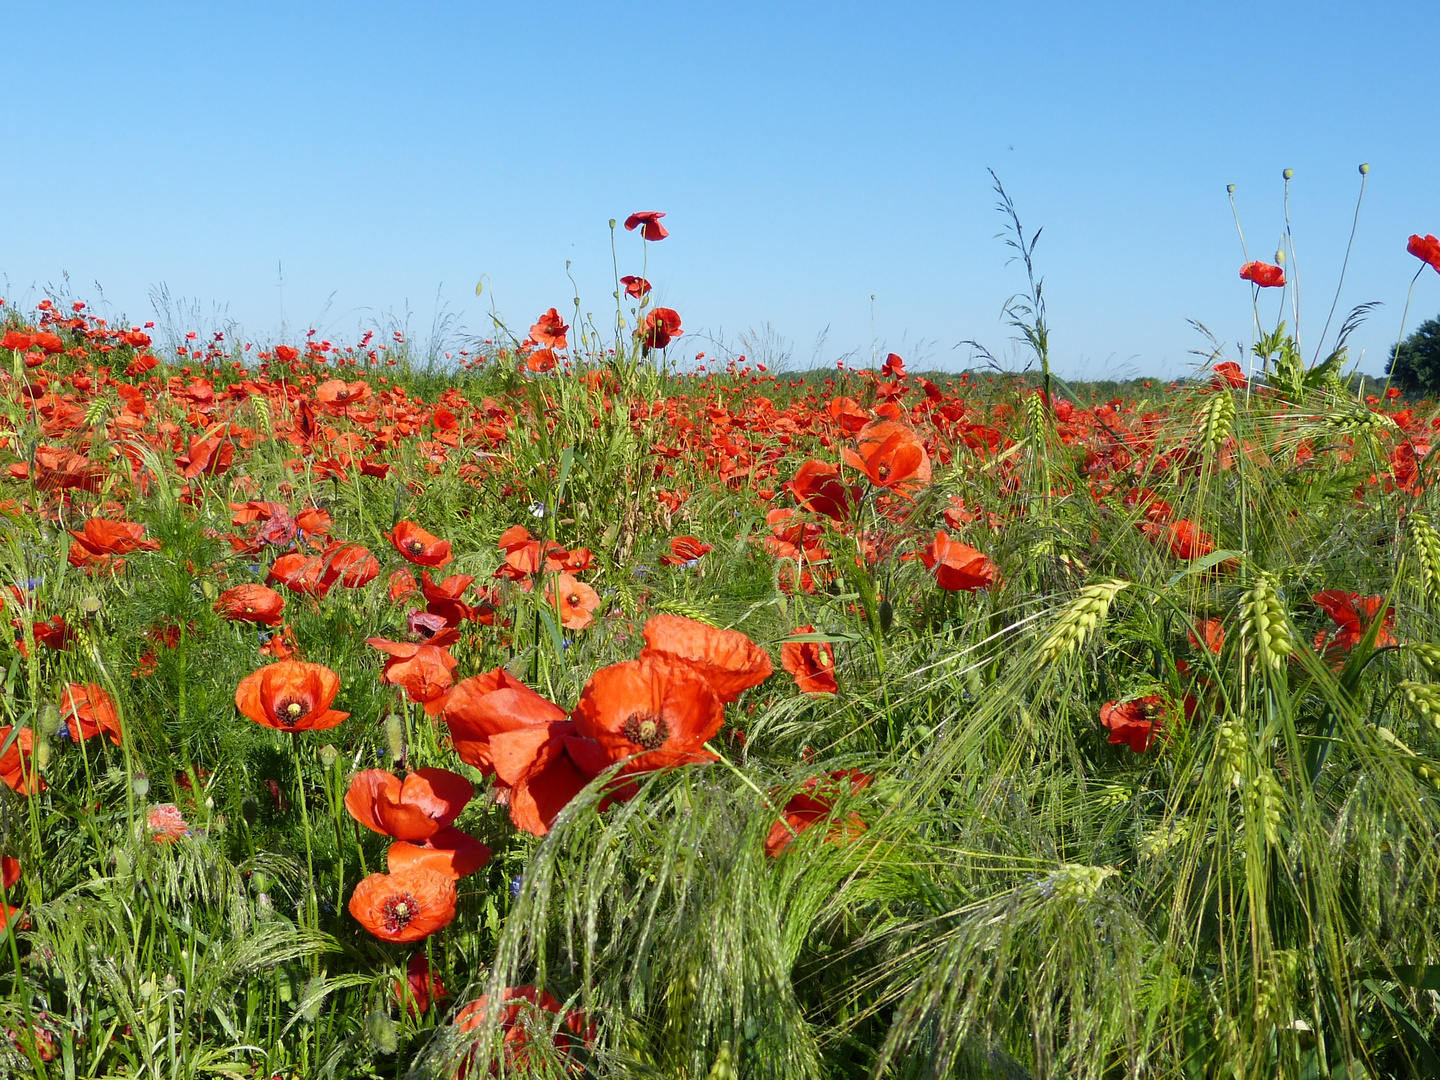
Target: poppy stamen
(290, 712)
(645, 730)
(398, 912)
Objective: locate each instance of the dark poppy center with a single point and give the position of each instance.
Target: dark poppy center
(884, 470)
(398, 912)
(290, 711)
(646, 730)
(416, 547)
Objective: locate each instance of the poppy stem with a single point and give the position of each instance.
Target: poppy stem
(311, 907)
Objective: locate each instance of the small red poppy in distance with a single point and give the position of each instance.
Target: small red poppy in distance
(1229, 373)
(661, 326)
(648, 222)
(1262, 274)
(418, 546)
(637, 287)
(550, 331)
(1426, 249)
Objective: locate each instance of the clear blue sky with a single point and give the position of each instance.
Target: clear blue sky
(807, 156)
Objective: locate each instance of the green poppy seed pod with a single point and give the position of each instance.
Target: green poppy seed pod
(49, 719)
(612, 223)
(1289, 174)
(1230, 189)
(140, 785)
(329, 755)
(90, 606)
(1365, 169)
(208, 588)
(395, 736)
(260, 881)
(1279, 258)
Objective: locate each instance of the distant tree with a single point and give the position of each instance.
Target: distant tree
(1415, 362)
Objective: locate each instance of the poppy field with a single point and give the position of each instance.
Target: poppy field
(552, 711)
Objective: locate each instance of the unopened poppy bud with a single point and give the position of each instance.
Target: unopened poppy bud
(90, 606)
(123, 865)
(42, 754)
(208, 588)
(329, 755)
(395, 736)
(516, 668)
(49, 719)
(259, 881)
(381, 1028)
(1289, 174)
(1365, 169)
(1280, 258)
(887, 616)
(140, 785)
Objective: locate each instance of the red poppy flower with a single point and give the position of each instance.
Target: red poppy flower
(400, 585)
(17, 767)
(505, 729)
(637, 287)
(1136, 722)
(812, 663)
(550, 331)
(16, 341)
(814, 804)
(350, 564)
(86, 709)
(303, 574)
(418, 546)
(648, 222)
(1263, 274)
(522, 1019)
(524, 554)
(660, 326)
(956, 566)
(817, 487)
(541, 361)
(251, 603)
(416, 808)
(1229, 373)
(9, 872)
(290, 696)
(576, 600)
(1211, 632)
(444, 598)
(1187, 541)
(336, 395)
(420, 986)
(423, 670)
(728, 661)
(685, 550)
(207, 457)
(657, 711)
(102, 537)
(166, 824)
(450, 852)
(1426, 249)
(890, 455)
(281, 645)
(1354, 615)
(407, 906)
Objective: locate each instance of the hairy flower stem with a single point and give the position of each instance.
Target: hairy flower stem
(312, 908)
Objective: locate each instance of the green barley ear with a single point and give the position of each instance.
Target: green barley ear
(1412, 760)
(1079, 619)
(1427, 548)
(1216, 421)
(1429, 657)
(1262, 617)
(262, 415)
(96, 413)
(1232, 746)
(1035, 413)
(1425, 697)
